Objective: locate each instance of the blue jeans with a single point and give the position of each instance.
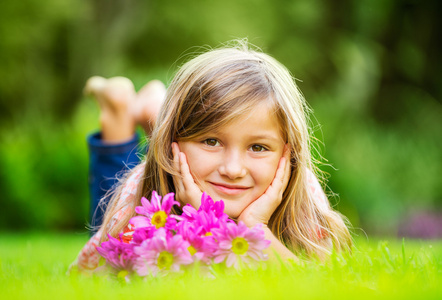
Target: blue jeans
(106, 161)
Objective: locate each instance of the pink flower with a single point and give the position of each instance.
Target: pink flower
(118, 255)
(148, 208)
(239, 243)
(157, 242)
(157, 211)
(164, 252)
(140, 222)
(142, 234)
(201, 247)
(210, 215)
(208, 206)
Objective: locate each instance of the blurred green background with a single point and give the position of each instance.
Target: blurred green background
(370, 69)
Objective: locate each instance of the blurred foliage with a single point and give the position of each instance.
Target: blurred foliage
(371, 70)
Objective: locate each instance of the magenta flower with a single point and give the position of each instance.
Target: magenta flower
(239, 243)
(158, 242)
(140, 222)
(201, 247)
(119, 255)
(164, 252)
(149, 208)
(210, 215)
(208, 206)
(157, 211)
(142, 234)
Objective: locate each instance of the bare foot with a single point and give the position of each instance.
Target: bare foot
(115, 97)
(147, 104)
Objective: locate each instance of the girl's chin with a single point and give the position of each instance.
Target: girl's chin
(233, 208)
(233, 205)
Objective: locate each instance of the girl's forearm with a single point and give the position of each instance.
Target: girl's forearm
(277, 249)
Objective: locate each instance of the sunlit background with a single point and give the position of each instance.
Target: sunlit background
(370, 69)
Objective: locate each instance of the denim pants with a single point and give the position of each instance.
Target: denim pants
(106, 162)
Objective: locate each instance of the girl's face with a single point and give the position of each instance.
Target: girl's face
(237, 162)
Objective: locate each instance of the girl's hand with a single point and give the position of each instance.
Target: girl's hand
(187, 191)
(260, 210)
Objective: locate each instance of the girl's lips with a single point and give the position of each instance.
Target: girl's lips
(229, 189)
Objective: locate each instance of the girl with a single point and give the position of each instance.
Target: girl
(233, 124)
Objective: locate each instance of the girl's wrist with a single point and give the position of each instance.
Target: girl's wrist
(252, 222)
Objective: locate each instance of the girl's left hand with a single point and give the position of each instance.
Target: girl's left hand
(260, 210)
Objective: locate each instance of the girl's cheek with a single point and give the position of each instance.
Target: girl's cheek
(270, 165)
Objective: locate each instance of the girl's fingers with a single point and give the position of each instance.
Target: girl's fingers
(188, 181)
(282, 176)
(185, 185)
(177, 180)
(191, 188)
(288, 167)
(278, 182)
(175, 153)
(280, 172)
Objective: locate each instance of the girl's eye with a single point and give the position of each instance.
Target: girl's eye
(211, 142)
(258, 148)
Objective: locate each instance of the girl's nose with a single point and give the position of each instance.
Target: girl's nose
(233, 165)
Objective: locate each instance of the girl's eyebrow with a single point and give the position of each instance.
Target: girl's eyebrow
(251, 136)
(265, 137)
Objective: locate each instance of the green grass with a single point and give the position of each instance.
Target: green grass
(34, 266)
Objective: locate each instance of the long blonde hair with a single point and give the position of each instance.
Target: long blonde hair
(209, 91)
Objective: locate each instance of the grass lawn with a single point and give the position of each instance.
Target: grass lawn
(33, 266)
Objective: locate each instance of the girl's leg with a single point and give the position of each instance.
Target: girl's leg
(114, 149)
(114, 96)
(147, 104)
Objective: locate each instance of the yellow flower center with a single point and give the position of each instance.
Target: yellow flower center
(159, 219)
(122, 274)
(191, 249)
(239, 245)
(208, 234)
(165, 260)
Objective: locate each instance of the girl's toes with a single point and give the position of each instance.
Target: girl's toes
(118, 91)
(120, 83)
(154, 90)
(94, 85)
(148, 103)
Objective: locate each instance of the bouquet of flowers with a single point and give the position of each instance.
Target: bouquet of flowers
(157, 242)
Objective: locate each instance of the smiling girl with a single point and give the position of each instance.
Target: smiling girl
(232, 124)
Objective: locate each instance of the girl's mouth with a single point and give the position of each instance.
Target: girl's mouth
(228, 189)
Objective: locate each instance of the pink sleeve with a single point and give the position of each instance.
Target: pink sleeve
(317, 192)
(88, 258)
(320, 199)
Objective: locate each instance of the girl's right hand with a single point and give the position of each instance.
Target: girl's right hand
(186, 190)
